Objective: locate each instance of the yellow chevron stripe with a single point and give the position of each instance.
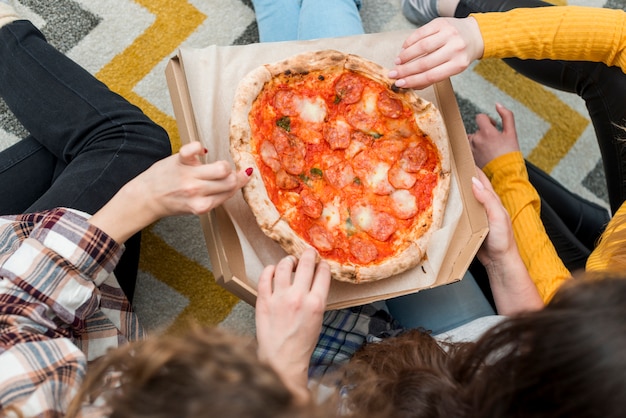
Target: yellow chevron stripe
(175, 20)
(566, 125)
(209, 303)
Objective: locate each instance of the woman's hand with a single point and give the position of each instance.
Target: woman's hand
(289, 311)
(488, 143)
(176, 185)
(500, 240)
(440, 49)
(512, 287)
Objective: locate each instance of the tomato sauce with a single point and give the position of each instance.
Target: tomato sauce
(381, 126)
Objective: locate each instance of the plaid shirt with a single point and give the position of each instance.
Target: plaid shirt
(60, 307)
(344, 331)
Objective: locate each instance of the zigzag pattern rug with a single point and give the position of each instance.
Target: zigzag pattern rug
(127, 44)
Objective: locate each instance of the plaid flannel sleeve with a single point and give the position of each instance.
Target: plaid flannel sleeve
(344, 331)
(50, 266)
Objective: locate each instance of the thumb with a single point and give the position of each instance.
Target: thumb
(191, 153)
(508, 120)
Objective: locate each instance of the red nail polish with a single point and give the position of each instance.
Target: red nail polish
(249, 171)
(206, 151)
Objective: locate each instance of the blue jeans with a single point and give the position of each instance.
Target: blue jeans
(603, 89)
(442, 308)
(290, 20)
(85, 141)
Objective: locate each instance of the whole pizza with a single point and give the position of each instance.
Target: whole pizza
(344, 161)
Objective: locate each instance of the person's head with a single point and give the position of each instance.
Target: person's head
(203, 372)
(568, 359)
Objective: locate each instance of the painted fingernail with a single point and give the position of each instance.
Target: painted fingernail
(477, 183)
(249, 171)
(206, 151)
(400, 83)
(393, 73)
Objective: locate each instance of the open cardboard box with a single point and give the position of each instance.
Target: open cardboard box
(202, 83)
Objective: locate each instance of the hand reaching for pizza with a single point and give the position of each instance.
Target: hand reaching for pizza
(488, 142)
(289, 309)
(512, 287)
(440, 49)
(178, 184)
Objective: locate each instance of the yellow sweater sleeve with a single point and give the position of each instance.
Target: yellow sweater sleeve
(509, 178)
(557, 32)
(610, 253)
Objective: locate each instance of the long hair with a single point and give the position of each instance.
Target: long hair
(566, 360)
(203, 372)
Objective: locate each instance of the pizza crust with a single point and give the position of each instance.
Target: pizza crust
(268, 217)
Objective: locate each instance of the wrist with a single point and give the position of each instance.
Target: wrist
(127, 213)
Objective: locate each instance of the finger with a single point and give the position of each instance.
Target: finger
(416, 37)
(190, 153)
(243, 177)
(305, 270)
(283, 273)
(264, 286)
(484, 194)
(485, 122)
(321, 281)
(428, 77)
(508, 119)
(218, 170)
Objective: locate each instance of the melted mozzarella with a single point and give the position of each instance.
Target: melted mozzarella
(369, 102)
(312, 109)
(378, 179)
(404, 204)
(362, 217)
(331, 215)
(353, 149)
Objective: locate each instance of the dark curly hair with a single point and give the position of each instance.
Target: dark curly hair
(568, 359)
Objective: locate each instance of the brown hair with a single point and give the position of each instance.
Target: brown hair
(203, 372)
(568, 359)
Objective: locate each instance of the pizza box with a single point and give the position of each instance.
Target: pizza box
(202, 83)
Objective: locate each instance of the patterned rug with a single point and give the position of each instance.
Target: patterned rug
(127, 44)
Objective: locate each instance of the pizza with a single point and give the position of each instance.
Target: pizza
(344, 162)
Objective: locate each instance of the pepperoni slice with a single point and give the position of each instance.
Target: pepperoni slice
(400, 179)
(269, 155)
(413, 158)
(286, 181)
(338, 135)
(285, 102)
(389, 106)
(321, 238)
(383, 226)
(340, 175)
(349, 88)
(389, 150)
(364, 251)
(311, 206)
(373, 172)
(360, 119)
(362, 137)
(291, 151)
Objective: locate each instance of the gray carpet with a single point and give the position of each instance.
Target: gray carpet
(127, 44)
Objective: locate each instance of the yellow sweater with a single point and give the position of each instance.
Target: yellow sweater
(572, 33)
(559, 32)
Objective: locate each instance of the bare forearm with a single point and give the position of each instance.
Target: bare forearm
(512, 287)
(125, 214)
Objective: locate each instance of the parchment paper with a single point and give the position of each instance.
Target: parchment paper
(212, 75)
